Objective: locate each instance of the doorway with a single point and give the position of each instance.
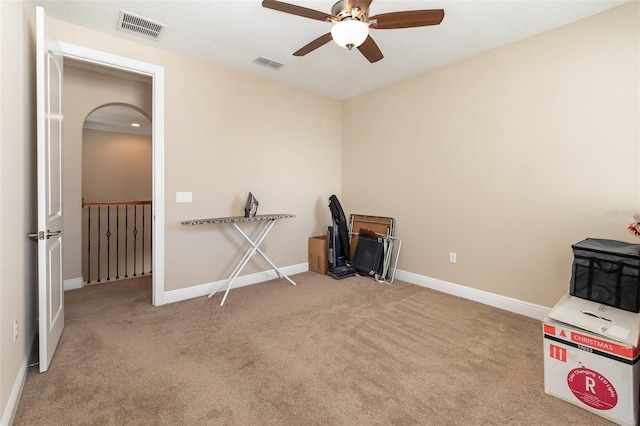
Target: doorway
(116, 189)
(115, 65)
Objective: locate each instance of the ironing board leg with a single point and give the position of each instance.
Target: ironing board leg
(248, 254)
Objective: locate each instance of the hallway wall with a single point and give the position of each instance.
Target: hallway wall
(116, 166)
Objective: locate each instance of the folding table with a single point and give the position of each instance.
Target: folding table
(269, 220)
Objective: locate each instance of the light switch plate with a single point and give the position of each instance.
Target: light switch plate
(183, 197)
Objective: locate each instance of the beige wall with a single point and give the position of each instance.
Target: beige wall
(83, 92)
(17, 193)
(226, 134)
(125, 159)
(506, 158)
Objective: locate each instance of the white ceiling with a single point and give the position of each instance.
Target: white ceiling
(234, 33)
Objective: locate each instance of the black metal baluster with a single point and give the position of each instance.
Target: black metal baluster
(143, 236)
(142, 221)
(99, 214)
(151, 240)
(117, 242)
(88, 244)
(108, 235)
(135, 238)
(126, 241)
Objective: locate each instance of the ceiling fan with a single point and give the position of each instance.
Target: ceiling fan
(352, 23)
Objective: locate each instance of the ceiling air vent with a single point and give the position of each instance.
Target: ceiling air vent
(268, 63)
(138, 25)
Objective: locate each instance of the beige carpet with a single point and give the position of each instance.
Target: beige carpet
(325, 352)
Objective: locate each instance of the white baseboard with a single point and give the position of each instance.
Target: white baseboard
(502, 302)
(16, 390)
(73, 284)
(243, 280)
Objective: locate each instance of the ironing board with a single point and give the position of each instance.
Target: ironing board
(268, 221)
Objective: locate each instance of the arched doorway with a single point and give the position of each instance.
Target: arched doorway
(116, 193)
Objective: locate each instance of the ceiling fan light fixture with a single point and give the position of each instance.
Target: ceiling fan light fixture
(350, 33)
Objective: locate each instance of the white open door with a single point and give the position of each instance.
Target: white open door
(49, 117)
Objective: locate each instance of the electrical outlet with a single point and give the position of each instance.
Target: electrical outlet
(15, 330)
(452, 257)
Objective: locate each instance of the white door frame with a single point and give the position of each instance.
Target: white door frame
(157, 124)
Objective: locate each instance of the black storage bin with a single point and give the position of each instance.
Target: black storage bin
(607, 272)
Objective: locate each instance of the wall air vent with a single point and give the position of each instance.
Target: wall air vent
(267, 63)
(138, 25)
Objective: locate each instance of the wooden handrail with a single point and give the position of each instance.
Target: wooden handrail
(120, 203)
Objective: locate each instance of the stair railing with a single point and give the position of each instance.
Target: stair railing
(117, 239)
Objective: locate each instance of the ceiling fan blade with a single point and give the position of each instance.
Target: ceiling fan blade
(320, 41)
(296, 10)
(407, 19)
(370, 50)
(363, 5)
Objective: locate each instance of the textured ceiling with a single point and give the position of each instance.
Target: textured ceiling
(234, 33)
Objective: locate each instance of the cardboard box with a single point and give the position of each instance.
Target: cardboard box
(318, 261)
(591, 358)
